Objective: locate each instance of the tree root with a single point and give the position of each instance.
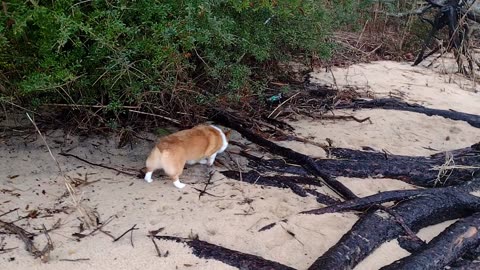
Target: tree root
(305, 161)
(444, 249)
(417, 170)
(377, 226)
(395, 104)
(231, 257)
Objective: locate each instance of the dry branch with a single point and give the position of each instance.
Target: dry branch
(98, 164)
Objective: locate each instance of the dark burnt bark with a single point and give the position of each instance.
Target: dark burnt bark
(444, 249)
(305, 161)
(416, 170)
(294, 183)
(395, 104)
(234, 258)
(377, 226)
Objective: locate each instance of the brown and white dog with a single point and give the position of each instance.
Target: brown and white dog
(200, 144)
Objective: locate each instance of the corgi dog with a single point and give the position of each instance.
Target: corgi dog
(200, 144)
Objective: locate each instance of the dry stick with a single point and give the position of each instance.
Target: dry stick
(204, 191)
(22, 234)
(74, 260)
(123, 234)
(157, 115)
(88, 217)
(96, 164)
(8, 212)
(156, 246)
(281, 104)
(346, 117)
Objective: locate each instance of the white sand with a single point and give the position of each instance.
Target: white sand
(226, 220)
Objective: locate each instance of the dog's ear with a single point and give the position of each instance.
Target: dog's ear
(228, 133)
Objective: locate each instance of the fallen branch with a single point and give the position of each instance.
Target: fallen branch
(377, 226)
(97, 164)
(305, 161)
(445, 248)
(395, 104)
(231, 257)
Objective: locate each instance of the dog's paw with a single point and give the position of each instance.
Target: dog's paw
(149, 180)
(179, 184)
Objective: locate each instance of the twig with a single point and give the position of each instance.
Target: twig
(123, 234)
(346, 117)
(8, 212)
(156, 246)
(88, 106)
(22, 234)
(45, 253)
(96, 164)
(208, 193)
(204, 191)
(157, 115)
(74, 260)
(281, 104)
(107, 234)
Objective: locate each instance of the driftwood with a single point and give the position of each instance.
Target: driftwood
(444, 249)
(234, 258)
(396, 104)
(377, 226)
(416, 170)
(305, 161)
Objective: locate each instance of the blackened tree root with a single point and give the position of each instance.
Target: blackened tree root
(362, 203)
(444, 249)
(377, 226)
(417, 170)
(292, 182)
(396, 104)
(234, 258)
(305, 161)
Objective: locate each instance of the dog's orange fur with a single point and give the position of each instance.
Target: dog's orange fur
(191, 145)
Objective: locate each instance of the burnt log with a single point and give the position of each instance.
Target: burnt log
(416, 170)
(378, 226)
(396, 104)
(231, 257)
(447, 247)
(305, 161)
(291, 182)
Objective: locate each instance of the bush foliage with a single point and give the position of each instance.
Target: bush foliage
(123, 52)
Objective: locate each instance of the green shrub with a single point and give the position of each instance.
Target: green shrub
(120, 52)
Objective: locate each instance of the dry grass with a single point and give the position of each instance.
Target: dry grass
(87, 215)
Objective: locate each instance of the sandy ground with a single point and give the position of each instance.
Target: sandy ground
(29, 180)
